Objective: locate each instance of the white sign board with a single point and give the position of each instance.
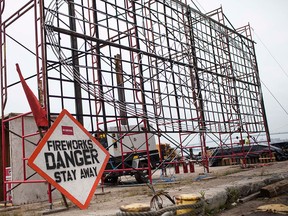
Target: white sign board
(70, 159)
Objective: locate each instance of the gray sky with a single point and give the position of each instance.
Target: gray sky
(268, 19)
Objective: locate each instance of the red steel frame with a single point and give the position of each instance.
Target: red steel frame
(37, 8)
(183, 73)
(25, 179)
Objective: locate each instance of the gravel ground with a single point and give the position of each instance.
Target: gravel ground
(108, 199)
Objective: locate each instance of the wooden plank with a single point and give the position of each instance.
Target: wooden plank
(275, 189)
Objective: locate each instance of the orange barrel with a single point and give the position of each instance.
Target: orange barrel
(185, 199)
(135, 207)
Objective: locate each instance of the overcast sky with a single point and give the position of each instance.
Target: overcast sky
(268, 18)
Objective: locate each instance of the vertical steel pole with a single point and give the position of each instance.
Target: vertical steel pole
(3, 98)
(75, 63)
(199, 99)
(142, 88)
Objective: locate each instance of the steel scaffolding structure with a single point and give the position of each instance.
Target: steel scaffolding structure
(144, 67)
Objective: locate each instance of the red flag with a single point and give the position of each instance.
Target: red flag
(39, 113)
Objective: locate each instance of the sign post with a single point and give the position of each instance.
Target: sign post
(70, 159)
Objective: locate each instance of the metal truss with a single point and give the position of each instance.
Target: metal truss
(140, 67)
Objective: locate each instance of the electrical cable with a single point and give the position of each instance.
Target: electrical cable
(197, 6)
(82, 80)
(270, 53)
(109, 99)
(280, 66)
(275, 98)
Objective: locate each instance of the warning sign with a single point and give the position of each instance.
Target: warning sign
(70, 159)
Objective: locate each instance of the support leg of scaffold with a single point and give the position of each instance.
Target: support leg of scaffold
(50, 195)
(163, 171)
(65, 200)
(102, 184)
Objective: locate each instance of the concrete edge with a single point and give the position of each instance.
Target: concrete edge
(221, 198)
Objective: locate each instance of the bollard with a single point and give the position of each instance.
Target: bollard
(185, 199)
(135, 207)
